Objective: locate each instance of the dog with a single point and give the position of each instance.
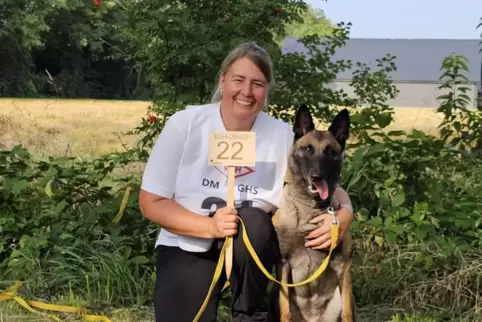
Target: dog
(314, 169)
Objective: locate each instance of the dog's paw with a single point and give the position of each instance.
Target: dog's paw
(307, 228)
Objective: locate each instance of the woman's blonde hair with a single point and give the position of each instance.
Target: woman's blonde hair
(257, 54)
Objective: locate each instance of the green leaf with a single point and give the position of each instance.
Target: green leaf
(388, 221)
(48, 188)
(428, 261)
(139, 260)
(383, 120)
(379, 240)
(376, 148)
(375, 222)
(477, 222)
(391, 236)
(359, 118)
(421, 232)
(397, 229)
(398, 199)
(397, 133)
(358, 155)
(404, 212)
(417, 134)
(19, 185)
(435, 222)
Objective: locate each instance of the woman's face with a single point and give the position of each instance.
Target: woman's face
(244, 89)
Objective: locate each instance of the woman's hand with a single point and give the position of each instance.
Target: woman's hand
(320, 238)
(224, 222)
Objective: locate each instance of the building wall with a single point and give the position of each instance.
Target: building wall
(414, 94)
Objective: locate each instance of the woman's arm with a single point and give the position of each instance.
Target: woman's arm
(345, 213)
(159, 179)
(173, 217)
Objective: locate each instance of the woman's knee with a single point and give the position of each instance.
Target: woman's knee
(182, 283)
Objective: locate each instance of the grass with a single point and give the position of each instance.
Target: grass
(86, 128)
(90, 128)
(438, 296)
(12, 312)
(96, 276)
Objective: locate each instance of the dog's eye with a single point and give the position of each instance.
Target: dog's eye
(330, 152)
(308, 149)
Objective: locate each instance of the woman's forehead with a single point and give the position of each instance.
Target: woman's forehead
(246, 69)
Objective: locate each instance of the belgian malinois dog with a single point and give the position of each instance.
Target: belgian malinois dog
(314, 168)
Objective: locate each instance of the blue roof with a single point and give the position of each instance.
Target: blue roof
(416, 59)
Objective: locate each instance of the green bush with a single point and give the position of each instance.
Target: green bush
(58, 231)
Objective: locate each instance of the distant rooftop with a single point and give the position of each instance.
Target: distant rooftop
(416, 59)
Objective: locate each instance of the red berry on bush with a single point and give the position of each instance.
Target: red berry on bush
(152, 119)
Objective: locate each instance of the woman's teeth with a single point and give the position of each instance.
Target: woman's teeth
(245, 103)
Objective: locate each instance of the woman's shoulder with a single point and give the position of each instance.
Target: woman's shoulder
(191, 111)
(279, 129)
(276, 124)
(201, 107)
(191, 114)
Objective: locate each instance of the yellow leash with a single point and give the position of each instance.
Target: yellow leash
(217, 275)
(316, 274)
(9, 294)
(252, 252)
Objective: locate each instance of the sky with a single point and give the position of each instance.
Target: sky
(442, 19)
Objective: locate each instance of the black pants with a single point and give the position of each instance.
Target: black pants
(183, 278)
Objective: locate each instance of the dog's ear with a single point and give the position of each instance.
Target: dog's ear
(303, 121)
(340, 127)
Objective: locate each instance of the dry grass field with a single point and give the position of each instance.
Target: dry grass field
(89, 128)
(69, 127)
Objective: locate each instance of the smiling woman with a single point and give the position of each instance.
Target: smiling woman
(246, 74)
(186, 197)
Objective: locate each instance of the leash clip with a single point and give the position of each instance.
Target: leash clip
(332, 212)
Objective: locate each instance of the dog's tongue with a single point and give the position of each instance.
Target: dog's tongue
(322, 189)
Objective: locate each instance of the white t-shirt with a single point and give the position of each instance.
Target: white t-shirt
(178, 168)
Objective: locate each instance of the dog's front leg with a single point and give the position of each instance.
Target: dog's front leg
(347, 300)
(348, 305)
(284, 296)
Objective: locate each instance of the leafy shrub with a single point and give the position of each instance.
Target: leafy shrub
(58, 213)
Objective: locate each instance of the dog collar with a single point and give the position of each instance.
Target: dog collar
(312, 203)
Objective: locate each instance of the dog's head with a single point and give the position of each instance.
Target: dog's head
(317, 156)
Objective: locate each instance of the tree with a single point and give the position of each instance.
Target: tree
(22, 24)
(97, 49)
(63, 48)
(314, 22)
(180, 46)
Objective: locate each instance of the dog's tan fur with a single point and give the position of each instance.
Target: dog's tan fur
(316, 301)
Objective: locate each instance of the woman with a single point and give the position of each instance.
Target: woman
(187, 197)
